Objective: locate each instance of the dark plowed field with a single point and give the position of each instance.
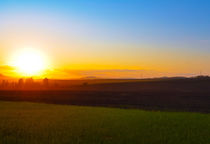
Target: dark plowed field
(176, 95)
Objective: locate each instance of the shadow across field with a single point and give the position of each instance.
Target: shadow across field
(171, 95)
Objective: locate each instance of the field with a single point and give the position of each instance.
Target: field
(183, 95)
(24, 123)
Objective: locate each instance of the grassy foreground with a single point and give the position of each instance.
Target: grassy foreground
(30, 123)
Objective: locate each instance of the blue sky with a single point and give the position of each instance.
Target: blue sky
(163, 18)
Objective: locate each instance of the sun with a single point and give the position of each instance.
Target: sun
(29, 62)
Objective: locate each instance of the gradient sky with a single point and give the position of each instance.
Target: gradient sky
(169, 36)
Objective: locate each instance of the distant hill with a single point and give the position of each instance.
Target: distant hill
(90, 77)
(3, 76)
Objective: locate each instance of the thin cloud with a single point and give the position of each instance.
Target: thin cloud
(113, 73)
(6, 70)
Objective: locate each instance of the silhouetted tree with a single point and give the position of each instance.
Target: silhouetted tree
(46, 82)
(29, 82)
(21, 82)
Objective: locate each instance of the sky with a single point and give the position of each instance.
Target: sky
(110, 37)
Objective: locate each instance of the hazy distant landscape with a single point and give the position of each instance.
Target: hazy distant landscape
(168, 94)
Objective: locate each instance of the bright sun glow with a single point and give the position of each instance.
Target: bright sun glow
(29, 62)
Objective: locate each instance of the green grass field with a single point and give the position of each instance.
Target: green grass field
(31, 123)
